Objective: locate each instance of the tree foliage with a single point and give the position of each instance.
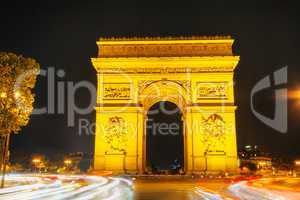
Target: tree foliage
(17, 79)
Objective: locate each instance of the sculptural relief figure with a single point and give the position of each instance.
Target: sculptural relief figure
(213, 133)
(116, 136)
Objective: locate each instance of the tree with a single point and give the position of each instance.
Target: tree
(18, 78)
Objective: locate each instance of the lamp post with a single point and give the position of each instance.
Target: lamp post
(68, 162)
(36, 162)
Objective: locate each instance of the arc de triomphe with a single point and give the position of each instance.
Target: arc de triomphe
(195, 73)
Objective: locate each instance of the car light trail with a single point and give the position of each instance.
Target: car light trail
(245, 191)
(60, 187)
(210, 195)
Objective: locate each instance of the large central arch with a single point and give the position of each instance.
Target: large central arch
(165, 138)
(164, 91)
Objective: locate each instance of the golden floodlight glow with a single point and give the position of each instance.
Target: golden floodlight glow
(297, 162)
(36, 160)
(195, 73)
(68, 162)
(262, 163)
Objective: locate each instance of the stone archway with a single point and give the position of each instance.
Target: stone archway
(173, 91)
(164, 91)
(194, 73)
(164, 138)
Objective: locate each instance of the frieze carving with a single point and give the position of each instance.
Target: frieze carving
(184, 83)
(116, 135)
(212, 90)
(119, 70)
(116, 91)
(145, 83)
(158, 50)
(166, 64)
(149, 38)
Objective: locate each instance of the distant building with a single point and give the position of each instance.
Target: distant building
(262, 162)
(75, 159)
(252, 154)
(78, 160)
(250, 151)
(297, 165)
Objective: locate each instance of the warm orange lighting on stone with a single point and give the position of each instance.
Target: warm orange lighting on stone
(195, 73)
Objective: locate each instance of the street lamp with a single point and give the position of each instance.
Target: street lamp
(297, 163)
(36, 161)
(68, 162)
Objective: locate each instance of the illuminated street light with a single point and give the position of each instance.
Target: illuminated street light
(262, 163)
(68, 162)
(297, 162)
(36, 162)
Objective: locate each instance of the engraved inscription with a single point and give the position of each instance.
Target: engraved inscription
(121, 91)
(211, 90)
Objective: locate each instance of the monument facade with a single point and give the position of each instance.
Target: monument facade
(194, 73)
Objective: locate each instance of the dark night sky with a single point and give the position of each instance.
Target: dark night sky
(63, 35)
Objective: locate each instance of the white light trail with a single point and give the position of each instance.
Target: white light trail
(60, 187)
(244, 191)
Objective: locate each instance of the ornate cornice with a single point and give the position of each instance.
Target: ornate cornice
(164, 38)
(165, 46)
(166, 65)
(176, 48)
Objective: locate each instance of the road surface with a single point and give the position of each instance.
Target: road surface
(82, 187)
(267, 189)
(170, 188)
